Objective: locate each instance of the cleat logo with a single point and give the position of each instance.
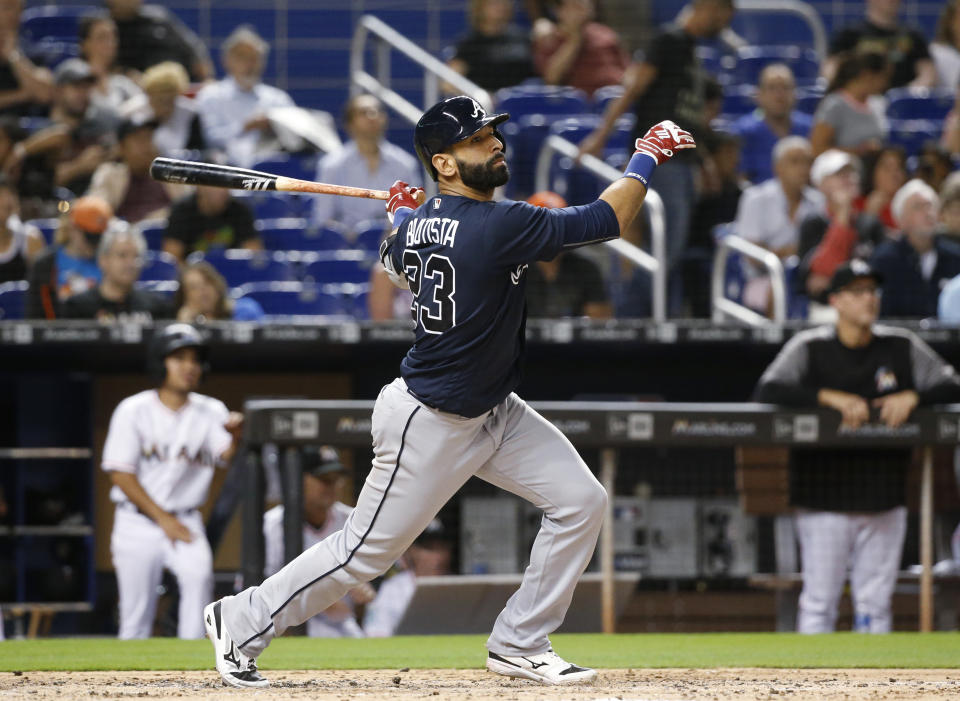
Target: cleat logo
(535, 665)
(231, 656)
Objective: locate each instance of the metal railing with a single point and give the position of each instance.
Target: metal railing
(795, 7)
(434, 70)
(654, 264)
(722, 305)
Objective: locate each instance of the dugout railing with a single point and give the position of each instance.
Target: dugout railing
(608, 427)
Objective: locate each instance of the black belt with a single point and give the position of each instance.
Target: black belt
(130, 506)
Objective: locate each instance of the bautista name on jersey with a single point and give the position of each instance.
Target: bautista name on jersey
(172, 453)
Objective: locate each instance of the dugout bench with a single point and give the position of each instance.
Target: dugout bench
(607, 426)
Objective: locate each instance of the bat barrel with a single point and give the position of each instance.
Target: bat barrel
(172, 170)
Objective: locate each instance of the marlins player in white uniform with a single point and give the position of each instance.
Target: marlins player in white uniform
(161, 450)
(453, 413)
(323, 515)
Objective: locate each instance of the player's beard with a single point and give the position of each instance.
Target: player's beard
(484, 176)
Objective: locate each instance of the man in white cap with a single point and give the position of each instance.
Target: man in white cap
(839, 233)
(919, 264)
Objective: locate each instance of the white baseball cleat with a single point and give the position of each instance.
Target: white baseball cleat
(235, 668)
(546, 668)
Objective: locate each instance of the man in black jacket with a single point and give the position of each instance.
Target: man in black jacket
(851, 503)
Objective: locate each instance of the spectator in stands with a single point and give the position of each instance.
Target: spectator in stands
(234, 110)
(951, 128)
(851, 502)
(115, 298)
(570, 285)
(25, 87)
(495, 53)
(933, 165)
(178, 122)
(774, 118)
(78, 141)
(98, 47)
(579, 51)
(881, 31)
(945, 47)
(845, 118)
(69, 266)
(918, 264)
(832, 237)
(366, 160)
(209, 218)
(126, 184)
(428, 556)
(19, 243)
(720, 190)
(323, 478)
(886, 173)
(669, 80)
(202, 297)
(950, 207)
(770, 213)
(149, 34)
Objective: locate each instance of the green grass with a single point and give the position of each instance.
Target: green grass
(898, 650)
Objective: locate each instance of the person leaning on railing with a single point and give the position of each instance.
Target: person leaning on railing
(851, 503)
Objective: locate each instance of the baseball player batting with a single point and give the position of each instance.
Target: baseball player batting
(161, 449)
(452, 413)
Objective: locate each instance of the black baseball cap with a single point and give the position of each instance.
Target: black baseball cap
(850, 271)
(320, 460)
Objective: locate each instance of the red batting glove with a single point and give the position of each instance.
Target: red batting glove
(403, 197)
(663, 140)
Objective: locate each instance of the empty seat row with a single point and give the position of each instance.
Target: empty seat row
(240, 266)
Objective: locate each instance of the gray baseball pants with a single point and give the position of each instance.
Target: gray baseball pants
(421, 458)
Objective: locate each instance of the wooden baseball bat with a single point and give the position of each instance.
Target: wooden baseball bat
(173, 170)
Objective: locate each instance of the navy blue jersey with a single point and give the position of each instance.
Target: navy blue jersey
(466, 261)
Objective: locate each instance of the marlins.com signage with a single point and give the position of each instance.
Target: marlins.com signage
(712, 428)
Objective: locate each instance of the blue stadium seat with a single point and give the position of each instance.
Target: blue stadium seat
(165, 288)
(541, 99)
(604, 96)
(738, 100)
(370, 233)
(808, 99)
(912, 134)
(159, 266)
(751, 60)
(34, 124)
(48, 227)
(919, 103)
(12, 298)
(273, 205)
(355, 298)
(524, 137)
(290, 166)
(153, 231)
(338, 266)
(291, 298)
(287, 234)
(576, 185)
(54, 22)
(239, 266)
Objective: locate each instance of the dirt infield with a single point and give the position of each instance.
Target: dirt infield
(477, 685)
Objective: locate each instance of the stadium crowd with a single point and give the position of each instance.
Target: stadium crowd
(82, 117)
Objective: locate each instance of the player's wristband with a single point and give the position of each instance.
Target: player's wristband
(400, 216)
(641, 167)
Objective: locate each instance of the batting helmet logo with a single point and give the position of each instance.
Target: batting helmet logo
(172, 338)
(448, 122)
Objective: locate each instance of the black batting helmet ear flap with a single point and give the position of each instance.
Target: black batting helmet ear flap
(448, 122)
(172, 338)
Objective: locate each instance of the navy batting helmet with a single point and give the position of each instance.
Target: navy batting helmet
(172, 338)
(448, 122)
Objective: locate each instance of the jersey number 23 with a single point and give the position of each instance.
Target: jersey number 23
(438, 314)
